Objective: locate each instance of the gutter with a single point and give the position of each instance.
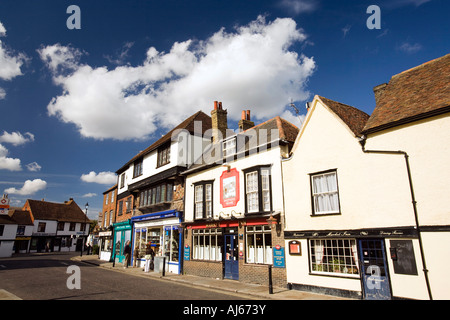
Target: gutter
(362, 141)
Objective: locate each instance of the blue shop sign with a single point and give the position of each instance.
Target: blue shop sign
(278, 257)
(187, 253)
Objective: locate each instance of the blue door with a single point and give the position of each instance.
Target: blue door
(374, 271)
(231, 257)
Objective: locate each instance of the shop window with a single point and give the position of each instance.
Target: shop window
(146, 238)
(203, 196)
(325, 196)
(207, 244)
(171, 243)
(334, 256)
(259, 245)
(258, 190)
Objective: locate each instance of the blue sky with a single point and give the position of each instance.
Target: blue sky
(77, 104)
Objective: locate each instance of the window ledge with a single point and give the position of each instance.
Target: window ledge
(326, 214)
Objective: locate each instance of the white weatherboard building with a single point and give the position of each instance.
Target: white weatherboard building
(366, 198)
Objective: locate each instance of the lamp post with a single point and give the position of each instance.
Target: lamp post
(82, 239)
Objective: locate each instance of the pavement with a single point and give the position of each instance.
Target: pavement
(254, 290)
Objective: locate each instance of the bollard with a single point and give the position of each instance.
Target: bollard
(270, 280)
(164, 267)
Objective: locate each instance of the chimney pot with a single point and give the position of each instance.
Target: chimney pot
(215, 105)
(248, 115)
(243, 115)
(220, 105)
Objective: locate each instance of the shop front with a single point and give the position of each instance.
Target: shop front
(157, 241)
(122, 234)
(240, 250)
(105, 245)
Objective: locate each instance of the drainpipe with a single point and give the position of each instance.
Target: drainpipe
(362, 141)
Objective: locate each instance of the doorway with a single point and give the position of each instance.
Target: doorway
(374, 271)
(231, 257)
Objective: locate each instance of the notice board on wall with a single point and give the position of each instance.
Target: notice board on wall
(403, 258)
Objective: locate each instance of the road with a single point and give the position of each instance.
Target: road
(45, 277)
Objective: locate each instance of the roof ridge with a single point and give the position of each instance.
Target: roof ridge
(425, 64)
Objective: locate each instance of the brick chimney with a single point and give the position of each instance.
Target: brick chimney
(378, 91)
(219, 121)
(245, 122)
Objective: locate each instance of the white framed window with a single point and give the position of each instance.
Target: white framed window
(199, 201)
(203, 200)
(325, 196)
(207, 244)
(251, 191)
(333, 256)
(259, 244)
(229, 146)
(258, 190)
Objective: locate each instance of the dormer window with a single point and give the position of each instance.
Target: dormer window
(163, 155)
(229, 146)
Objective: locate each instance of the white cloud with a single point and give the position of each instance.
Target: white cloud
(6, 163)
(16, 138)
(10, 62)
(410, 48)
(120, 57)
(250, 67)
(101, 178)
(2, 30)
(89, 195)
(296, 120)
(401, 3)
(346, 29)
(30, 187)
(299, 6)
(34, 166)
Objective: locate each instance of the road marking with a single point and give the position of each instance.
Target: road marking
(5, 295)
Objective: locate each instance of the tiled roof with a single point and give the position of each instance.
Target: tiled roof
(187, 124)
(21, 217)
(6, 219)
(413, 94)
(63, 212)
(265, 133)
(354, 118)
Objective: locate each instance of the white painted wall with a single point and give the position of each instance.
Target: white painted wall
(268, 157)
(373, 192)
(7, 240)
